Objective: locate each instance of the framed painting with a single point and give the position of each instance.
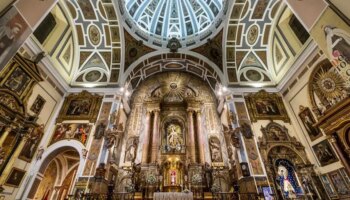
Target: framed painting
(70, 131)
(31, 143)
(342, 189)
(15, 178)
(80, 106)
(308, 121)
(345, 175)
(38, 105)
(328, 186)
(13, 32)
(325, 153)
(17, 81)
(266, 106)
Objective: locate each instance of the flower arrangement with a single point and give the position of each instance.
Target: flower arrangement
(186, 191)
(130, 188)
(196, 179)
(151, 179)
(215, 188)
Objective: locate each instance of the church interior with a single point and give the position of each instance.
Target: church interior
(174, 99)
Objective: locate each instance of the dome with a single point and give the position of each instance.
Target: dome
(182, 19)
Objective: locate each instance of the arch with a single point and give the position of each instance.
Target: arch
(290, 154)
(160, 61)
(49, 155)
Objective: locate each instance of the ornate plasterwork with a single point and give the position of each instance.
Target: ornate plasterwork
(172, 87)
(276, 143)
(144, 22)
(172, 62)
(247, 40)
(97, 29)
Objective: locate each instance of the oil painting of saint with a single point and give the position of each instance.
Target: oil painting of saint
(78, 132)
(267, 107)
(308, 121)
(79, 107)
(324, 153)
(17, 81)
(13, 32)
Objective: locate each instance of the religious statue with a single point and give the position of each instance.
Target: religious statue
(246, 130)
(286, 182)
(215, 149)
(100, 131)
(173, 177)
(40, 153)
(174, 139)
(208, 174)
(112, 137)
(130, 152)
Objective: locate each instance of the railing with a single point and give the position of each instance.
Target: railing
(115, 196)
(225, 196)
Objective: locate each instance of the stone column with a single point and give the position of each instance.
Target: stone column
(337, 148)
(155, 136)
(191, 140)
(146, 139)
(5, 134)
(200, 137)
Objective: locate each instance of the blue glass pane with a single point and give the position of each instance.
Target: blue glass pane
(173, 18)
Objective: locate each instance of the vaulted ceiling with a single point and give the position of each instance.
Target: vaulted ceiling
(110, 43)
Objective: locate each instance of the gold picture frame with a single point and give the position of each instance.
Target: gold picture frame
(80, 106)
(266, 106)
(15, 177)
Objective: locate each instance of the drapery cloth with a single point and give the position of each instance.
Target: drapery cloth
(172, 196)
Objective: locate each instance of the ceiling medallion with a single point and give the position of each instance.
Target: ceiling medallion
(173, 86)
(329, 84)
(174, 45)
(94, 35)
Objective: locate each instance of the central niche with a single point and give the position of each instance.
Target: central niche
(173, 140)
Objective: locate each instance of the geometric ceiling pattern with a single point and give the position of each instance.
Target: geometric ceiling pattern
(172, 62)
(99, 42)
(172, 18)
(236, 50)
(247, 41)
(156, 21)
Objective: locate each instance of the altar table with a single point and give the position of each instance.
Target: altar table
(172, 196)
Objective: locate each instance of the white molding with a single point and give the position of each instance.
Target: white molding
(49, 68)
(298, 63)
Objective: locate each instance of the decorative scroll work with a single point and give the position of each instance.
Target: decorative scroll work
(278, 144)
(11, 102)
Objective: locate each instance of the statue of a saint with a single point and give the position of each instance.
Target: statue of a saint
(173, 137)
(285, 181)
